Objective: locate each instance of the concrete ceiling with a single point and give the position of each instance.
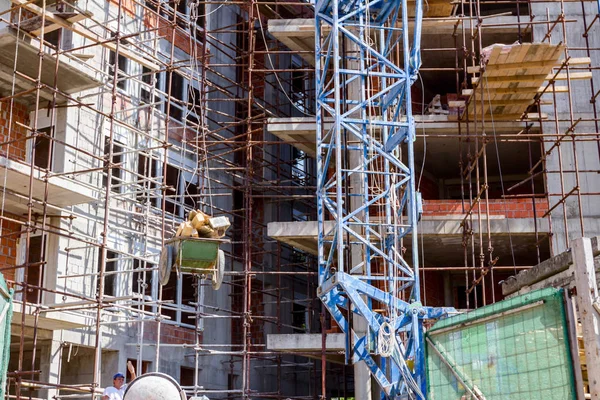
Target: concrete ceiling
(442, 238)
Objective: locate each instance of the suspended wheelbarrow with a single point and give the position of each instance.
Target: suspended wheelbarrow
(198, 256)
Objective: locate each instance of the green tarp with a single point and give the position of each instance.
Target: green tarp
(513, 349)
(6, 298)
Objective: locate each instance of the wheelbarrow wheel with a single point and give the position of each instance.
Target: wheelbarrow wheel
(217, 279)
(167, 259)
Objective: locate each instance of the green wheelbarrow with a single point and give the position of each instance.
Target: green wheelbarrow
(199, 256)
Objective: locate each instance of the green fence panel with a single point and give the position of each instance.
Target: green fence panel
(6, 298)
(514, 349)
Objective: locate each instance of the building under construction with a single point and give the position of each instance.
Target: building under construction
(118, 118)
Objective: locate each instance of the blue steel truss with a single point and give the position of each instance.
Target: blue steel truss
(368, 207)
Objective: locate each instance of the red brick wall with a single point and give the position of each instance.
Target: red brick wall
(513, 208)
(169, 334)
(16, 150)
(8, 248)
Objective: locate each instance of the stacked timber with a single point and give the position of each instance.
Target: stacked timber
(511, 80)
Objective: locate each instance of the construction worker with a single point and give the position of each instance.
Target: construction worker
(117, 390)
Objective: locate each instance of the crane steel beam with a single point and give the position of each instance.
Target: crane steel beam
(366, 185)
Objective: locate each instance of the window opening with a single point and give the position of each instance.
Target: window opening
(121, 64)
(117, 158)
(194, 105)
(172, 204)
(146, 88)
(35, 273)
(110, 280)
(147, 173)
(43, 148)
(186, 376)
(176, 94)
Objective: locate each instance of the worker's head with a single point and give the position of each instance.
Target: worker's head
(118, 380)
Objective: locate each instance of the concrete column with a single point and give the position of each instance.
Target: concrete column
(362, 375)
(50, 364)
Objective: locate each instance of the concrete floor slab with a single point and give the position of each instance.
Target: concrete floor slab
(62, 192)
(71, 75)
(442, 239)
(301, 131)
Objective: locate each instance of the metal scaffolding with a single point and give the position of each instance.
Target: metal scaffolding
(118, 118)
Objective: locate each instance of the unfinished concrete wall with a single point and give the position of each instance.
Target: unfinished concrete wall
(571, 107)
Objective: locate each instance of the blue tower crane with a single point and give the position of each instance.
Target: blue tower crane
(368, 207)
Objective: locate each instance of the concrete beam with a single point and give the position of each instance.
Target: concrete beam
(442, 238)
(543, 270)
(299, 34)
(305, 342)
(300, 132)
(304, 234)
(309, 345)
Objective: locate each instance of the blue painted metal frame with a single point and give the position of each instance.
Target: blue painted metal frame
(371, 140)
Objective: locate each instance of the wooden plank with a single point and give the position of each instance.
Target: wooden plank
(495, 54)
(514, 117)
(523, 53)
(86, 33)
(572, 75)
(54, 27)
(587, 295)
(515, 90)
(508, 102)
(529, 64)
(512, 78)
(533, 78)
(578, 61)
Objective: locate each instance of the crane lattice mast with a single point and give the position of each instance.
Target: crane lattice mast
(368, 207)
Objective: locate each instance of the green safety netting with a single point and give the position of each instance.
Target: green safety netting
(513, 349)
(6, 298)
